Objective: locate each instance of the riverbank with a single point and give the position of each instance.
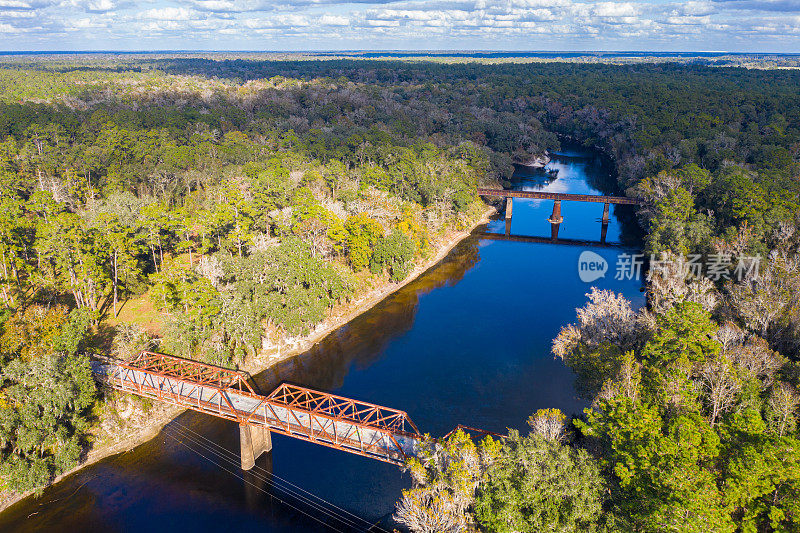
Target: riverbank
(144, 424)
(341, 315)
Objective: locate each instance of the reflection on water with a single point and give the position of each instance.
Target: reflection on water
(466, 343)
(363, 340)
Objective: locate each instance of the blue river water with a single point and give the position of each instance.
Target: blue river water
(468, 343)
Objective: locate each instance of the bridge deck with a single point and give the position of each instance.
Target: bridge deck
(542, 195)
(342, 423)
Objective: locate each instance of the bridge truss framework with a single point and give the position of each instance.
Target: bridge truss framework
(335, 421)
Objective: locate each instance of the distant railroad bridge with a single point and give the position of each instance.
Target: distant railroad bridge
(556, 218)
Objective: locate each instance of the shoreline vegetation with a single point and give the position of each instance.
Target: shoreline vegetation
(159, 415)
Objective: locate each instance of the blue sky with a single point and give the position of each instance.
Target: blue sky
(706, 25)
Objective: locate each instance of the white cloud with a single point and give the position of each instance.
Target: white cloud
(168, 13)
(697, 8)
(334, 20)
(14, 4)
(615, 9)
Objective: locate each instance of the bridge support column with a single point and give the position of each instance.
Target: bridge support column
(509, 207)
(605, 213)
(253, 441)
(556, 217)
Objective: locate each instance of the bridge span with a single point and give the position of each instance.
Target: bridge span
(342, 423)
(556, 218)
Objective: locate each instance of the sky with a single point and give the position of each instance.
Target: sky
(293, 25)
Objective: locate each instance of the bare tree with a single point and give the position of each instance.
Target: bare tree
(548, 423)
(736, 246)
(262, 242)
(210, 268)
(654, 190)
(430, 510)
(755, 358)
(315, 232)
(627, 382)
(761, 300)
(607, 318)
(783, 403)
(446, 475)
(671, 282)
(130, 340)
(729, 335)
(721, 384)
(784, 233)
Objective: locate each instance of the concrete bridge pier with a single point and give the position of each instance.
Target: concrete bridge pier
(508, 226)
(556, 217)
(509, 207)
(605, 213)
(253, 441)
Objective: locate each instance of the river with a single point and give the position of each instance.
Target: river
(468, 342)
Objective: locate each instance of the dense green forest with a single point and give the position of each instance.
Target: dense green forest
(240, 201)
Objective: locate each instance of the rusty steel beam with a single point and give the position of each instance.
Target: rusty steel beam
(542, 195)
(470, 430)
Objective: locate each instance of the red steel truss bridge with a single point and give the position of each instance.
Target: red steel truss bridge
(335, 421)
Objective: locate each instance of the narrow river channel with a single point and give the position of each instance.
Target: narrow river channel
(466, 343)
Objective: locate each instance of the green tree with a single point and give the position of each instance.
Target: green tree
(74, 258)
(46, 390)
(363, 232)
(684, 338)
(156, 225)
(662, 466)
(15, 231)
(272, 187)
(762, 482)
(291, 288)
(41, 427)
(394, 253)
(123, 247)
(536, 484)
